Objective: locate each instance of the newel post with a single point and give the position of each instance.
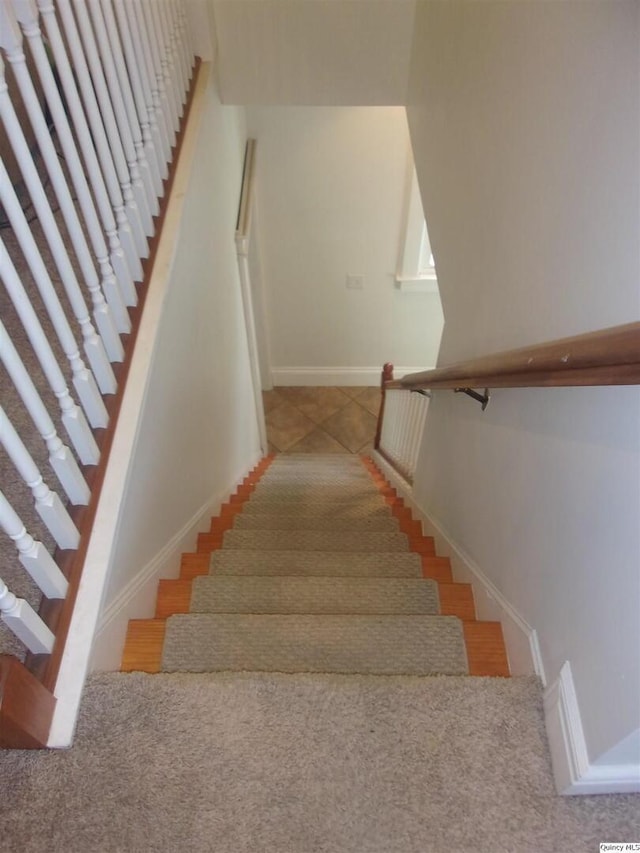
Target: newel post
(387, 376)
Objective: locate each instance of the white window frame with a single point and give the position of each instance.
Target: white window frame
(414, 274)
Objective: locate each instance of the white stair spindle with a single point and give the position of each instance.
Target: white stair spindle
(27, 15)
(108, 117)
(72, 417)
(93, 345)
(153, 19)
(47, 503)
(175, 72)
(60, 457)
(83, 135)
(35, 558)
(145, 119)
(183, 45)
(120, 113)
(126, 89)
(145, 25)
(98, 136)
(148, 80)
(11, 40)
(186, 29)
(173, 25)
(24, 622)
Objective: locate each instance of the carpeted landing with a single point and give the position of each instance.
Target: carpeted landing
(315, 575)
(267, 763)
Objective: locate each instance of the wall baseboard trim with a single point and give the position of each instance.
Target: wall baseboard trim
(346, 376)
(572, 771)
(521, 640)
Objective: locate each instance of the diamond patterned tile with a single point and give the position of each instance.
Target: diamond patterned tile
(317, 403)
(352, 426)
(370, 399)
(286, 426)
(271, 400)
(353, 391)
(317, 441)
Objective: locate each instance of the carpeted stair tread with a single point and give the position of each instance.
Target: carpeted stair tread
(382, 645)
(280, 521)
(307, 492)
(314, 540)
(316, 563)
(353, 510)
(263, 594)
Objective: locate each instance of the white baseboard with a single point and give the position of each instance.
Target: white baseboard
(573, 773)
(521, 640)
(137, 599)
(346, 376)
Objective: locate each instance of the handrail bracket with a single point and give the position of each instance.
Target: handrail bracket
(483, 399)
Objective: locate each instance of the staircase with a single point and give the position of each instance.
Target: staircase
(315, 565)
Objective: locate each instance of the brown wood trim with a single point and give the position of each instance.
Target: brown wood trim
(605, 357)
(143, 646)
(387, 376)
(486, 652)
(174, 596)
(57, 614)
(26, 707)
(456, 599)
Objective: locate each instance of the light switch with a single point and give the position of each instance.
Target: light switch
(355, 282)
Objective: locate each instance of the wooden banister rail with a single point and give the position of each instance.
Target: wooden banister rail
(605, 357)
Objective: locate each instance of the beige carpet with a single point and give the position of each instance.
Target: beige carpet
(303, 764)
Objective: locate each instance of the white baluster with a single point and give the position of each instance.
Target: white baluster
(72, 417)
(144, 117)
(108, 117)
(24, 622)
(173, 66)
(60, 457)
(146, 28)
(82, 378)
(126, 88)
(121, 113)
(35, 558)
(155, 26)
(27, 15)
(11, 40)
(83, 135)
(47, 503)
(98, 135)
(186, 30)
(128, 16)
(183, 39)
(173, 26)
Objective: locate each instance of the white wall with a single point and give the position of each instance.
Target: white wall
(197, 434)
(331, 187)
(318, 52)
(524, 120)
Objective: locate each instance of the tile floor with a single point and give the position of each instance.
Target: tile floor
(321, 419)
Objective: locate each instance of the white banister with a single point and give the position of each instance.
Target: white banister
(147, 32)
(126, 87)
(11, 41)
(404, 419)
(83, 135)
(129, 15)
(173, 67)
(72, 417)
(35, 558)
(187, 41)
(125, 129)
(47, 503)
(173, 27)
(97, 133)
(145, 120)
(91, 54)
(27, 15)
(83, 380)
(24, 622)
(60, 457)
(155, 30)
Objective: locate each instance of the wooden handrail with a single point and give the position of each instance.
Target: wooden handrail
(605, 357)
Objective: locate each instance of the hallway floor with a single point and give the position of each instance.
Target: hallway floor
(321, 419)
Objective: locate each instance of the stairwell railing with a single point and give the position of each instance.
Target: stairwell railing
(604, 357)
(94, 96)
